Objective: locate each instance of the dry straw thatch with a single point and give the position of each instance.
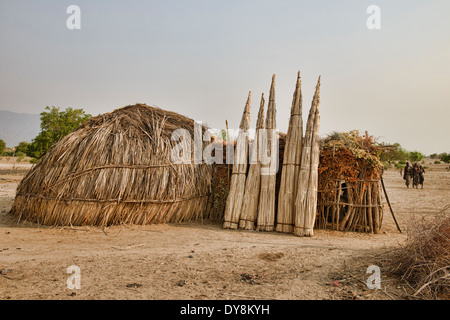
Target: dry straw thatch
(291, 163)
(306, 201)
(117, 168)
(249, 210)
(237, 185)
(267, 196)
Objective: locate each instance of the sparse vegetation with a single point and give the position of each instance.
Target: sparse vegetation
(2, 146)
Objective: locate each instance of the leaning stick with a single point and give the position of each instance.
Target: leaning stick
(389, 203)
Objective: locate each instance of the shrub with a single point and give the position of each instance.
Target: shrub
(437, 162)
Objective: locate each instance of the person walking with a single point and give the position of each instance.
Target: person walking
(407, 175)
(421, 177)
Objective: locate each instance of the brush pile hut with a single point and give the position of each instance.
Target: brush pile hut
(118, 168)
(350, 191)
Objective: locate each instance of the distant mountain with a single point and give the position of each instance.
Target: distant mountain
(18, 127)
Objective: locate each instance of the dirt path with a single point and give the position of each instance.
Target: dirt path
(204, 261)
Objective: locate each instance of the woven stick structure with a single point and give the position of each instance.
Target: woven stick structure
(239, 174)
(291, 164)
(306, 201)
(350, 184)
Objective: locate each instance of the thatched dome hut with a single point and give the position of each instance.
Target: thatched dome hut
(116, 168)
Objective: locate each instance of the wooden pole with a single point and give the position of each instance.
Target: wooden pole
(228, 141)
(389, 203)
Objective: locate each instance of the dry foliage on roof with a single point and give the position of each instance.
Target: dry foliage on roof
(349, 155)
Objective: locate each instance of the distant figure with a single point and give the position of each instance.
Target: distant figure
(407, 175)
(421, 177)
(415, 176)
(401, 172)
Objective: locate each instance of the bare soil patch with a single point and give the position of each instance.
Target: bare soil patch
(201, 260)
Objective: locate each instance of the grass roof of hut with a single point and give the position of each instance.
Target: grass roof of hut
(116, 169)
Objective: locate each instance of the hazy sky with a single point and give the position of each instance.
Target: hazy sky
(201, 58)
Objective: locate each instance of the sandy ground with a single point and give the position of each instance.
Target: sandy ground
(202, 260)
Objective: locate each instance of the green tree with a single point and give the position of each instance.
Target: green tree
(415, 156)
(23, 147)
(394, 152)
(55, 124)
(2, 146)
(445, 157)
